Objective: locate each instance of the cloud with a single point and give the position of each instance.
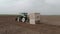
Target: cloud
(15, 6)
(43, 6)
(53, 2)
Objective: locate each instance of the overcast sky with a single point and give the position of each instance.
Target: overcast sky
(45, 7)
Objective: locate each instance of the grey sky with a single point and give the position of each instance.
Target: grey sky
(45, 7)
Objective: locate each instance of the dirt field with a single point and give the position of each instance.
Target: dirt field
(22, 28)
(10, 26)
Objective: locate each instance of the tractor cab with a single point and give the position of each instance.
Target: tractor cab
(23, 17)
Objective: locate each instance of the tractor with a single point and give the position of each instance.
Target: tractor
(23, 17)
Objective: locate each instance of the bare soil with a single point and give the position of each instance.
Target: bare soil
(8, 25)
(23, 28)
(11, 28)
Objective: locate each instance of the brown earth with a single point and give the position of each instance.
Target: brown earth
(8, 25)
(50, 19)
